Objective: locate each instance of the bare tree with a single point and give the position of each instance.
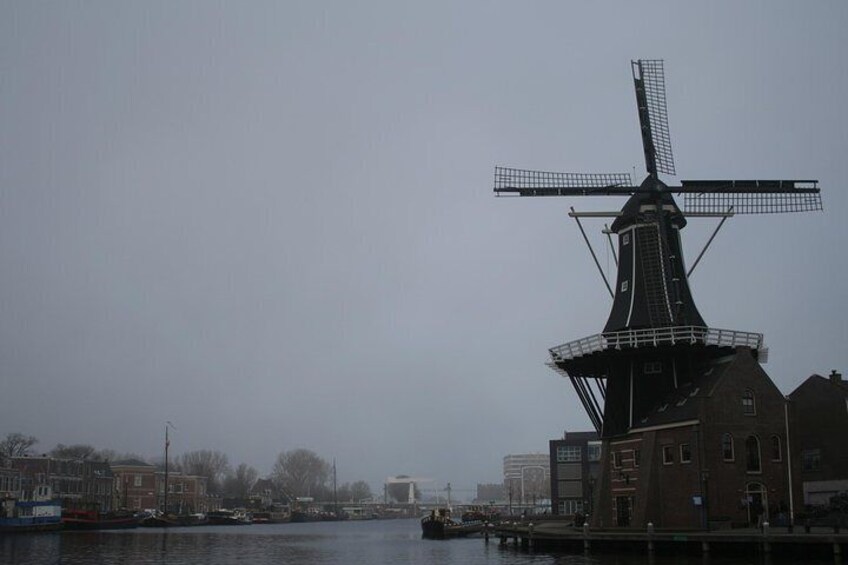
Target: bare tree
(206, 463)
(76, 451)
(360, 490)
(300, 472)
(237, 484)
(16, 445)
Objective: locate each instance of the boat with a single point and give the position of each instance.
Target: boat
(42, 513)
(160, 520)
(94, 520)
(270, 517)
(225, 517)
(440, 525)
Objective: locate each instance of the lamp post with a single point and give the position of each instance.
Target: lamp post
(789, 463)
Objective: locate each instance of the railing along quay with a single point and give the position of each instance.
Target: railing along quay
(546, 534)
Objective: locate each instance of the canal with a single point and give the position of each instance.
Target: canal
(330, 543)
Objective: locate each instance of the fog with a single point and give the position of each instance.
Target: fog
(272, 223)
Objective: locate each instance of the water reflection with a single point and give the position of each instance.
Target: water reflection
(320, 543)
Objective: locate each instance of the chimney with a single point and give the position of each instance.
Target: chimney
(835, 377)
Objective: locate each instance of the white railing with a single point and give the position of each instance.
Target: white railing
(655, 337)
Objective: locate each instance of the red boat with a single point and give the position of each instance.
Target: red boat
(94, 520)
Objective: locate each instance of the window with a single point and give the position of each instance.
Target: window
(625, 285)
(749, 407)
(811, 459)
(776, 451)
(752, 453)
(137, 480)
(727, 447)
(652, 368)
(685, 453)
(617, 459)
(625, 239)
(566, 453)
(637, 456)
(668, 454)
(570, 506)
(594, 451)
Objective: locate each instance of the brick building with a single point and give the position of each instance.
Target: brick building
(78, 483)
(819, 428)
(186, 493)
(135, 485)
(711, 453)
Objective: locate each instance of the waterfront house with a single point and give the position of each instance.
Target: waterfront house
(711, 453)
(819, 428)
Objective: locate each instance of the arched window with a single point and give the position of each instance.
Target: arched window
(749, 406)
(727, 452)
(776, 451)
(752, 453)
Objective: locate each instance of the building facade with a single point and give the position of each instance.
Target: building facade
(711, 454)
(819, 427)
(135, 485)
(527, 478)
(78, 483)
(575, 464)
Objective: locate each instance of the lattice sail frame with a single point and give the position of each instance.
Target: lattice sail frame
(750, 197)
(652, 75)
(527, 182)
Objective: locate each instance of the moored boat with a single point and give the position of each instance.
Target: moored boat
(42, 513)
(94, 520)
(225, 517)
(439, 525)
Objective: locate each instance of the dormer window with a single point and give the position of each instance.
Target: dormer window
(625, 239)
(625, 285)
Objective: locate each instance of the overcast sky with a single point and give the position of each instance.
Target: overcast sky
(272, 223)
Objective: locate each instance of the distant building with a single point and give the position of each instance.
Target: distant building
(135, 485)
(186, 493)
(527, 478)
(10, 483)
(79, 483)
(490, 493)
(819, 428)
(262, 493)
(575, 462)
(140, 486)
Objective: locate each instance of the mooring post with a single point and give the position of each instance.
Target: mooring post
(585, 536)
(766, 544)
(650, 537)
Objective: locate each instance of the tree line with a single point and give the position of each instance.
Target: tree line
(296, 473)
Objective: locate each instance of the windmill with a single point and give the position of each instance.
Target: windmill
(655, 335)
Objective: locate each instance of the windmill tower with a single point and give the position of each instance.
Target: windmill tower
(655, 339)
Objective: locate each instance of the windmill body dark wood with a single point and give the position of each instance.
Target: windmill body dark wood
(655, 339)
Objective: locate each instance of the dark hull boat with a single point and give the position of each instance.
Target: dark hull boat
(173, 521)
(93, 520)
(228, 518)
(439, 525)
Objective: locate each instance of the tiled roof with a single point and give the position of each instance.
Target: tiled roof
(685, 402)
